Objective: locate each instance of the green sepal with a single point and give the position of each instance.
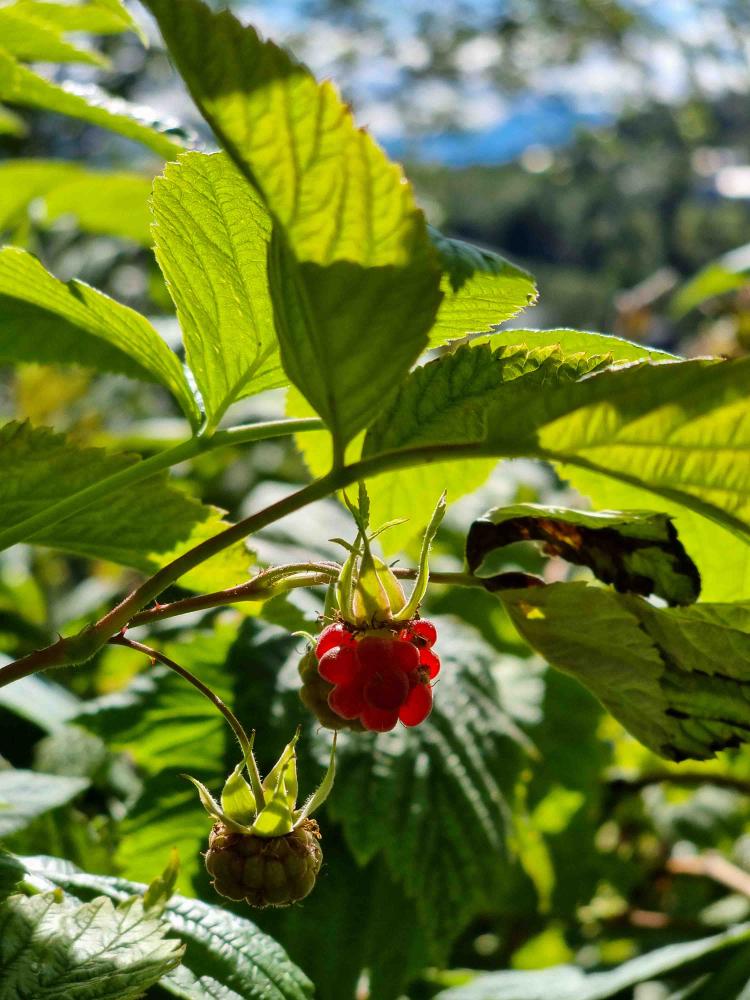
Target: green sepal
(276, 819)
(237, 799)
(271, 780)
(345, 585)
(330, 607)
(321, 793)
(375, 591)
(392, 587)
(213, 808)
(423, 577)
(393, 523)
(370, 601)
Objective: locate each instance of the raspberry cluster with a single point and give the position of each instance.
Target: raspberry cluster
(379, 677)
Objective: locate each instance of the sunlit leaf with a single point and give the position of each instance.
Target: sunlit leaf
(480, 290)
(30, 38)
(354, 278)
(27, 794)
(21, 85)
(227, 956)
(52, 947)
(49, 321)
(676, 429)
(211, 233)
(142, 525)
(674, 677)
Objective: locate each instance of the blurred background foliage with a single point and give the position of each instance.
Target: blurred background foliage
(606, 147)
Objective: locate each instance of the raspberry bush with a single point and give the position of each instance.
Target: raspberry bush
(512, 692)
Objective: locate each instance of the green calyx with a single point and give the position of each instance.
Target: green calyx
(268, 810)
(367, 590)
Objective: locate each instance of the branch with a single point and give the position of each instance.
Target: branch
(714, 866)
(261, 588)
(687, 779)
(272, 582)
(81, 647)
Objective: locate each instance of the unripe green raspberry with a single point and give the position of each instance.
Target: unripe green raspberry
(264, 871)
(314, 694)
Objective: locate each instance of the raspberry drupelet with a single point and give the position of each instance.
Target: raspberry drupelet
(379, 677)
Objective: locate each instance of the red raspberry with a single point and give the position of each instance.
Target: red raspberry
(378, 720)
(335, 635)
(430, 661)
(424, 630)
(386, 689)
(314, 695)
(339, 664)
(378, 678)
(376, 652)
(417, 706)
(347, 700)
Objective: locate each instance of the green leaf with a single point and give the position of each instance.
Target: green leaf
(576, 342)
(106, 202)
(480, 290)
(354, 278)
(566, 982)
(40, 700)
(143, 525)
(50, 321)
(676, 429)
(34, 39)
(52, 948)
(113, 203)
(405, 493)
(21, 181)
(226, 955)
(21, 85)
(636, 551)
(160, 889)
(11, 873)
(723, 558)
(442, 401)
(100, 17)
(727, 274)
(452, 399)
(674, 677)
(24, 795)
(11, 123)
(211, 233)
(434, 800)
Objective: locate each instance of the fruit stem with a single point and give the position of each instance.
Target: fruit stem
(267, 584)
(244, 740)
